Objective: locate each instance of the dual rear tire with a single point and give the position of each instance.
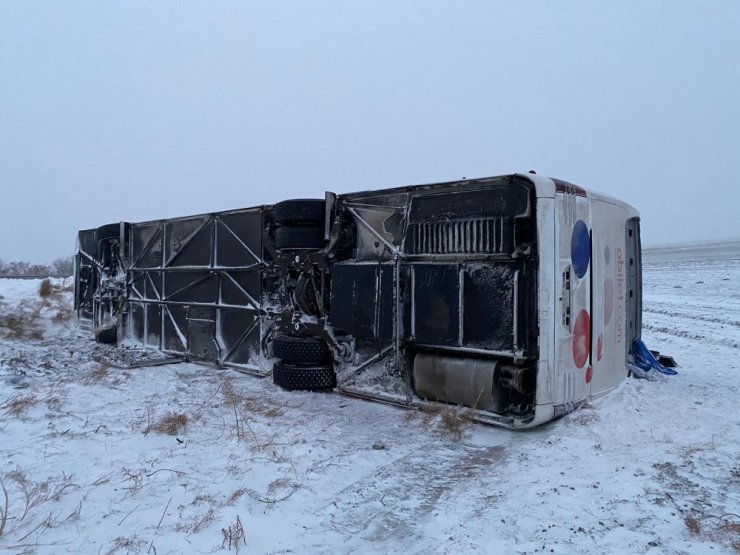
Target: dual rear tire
(295, 377)
(305, 364)
(300, 224)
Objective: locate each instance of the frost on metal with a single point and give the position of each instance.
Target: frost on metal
(518, 296)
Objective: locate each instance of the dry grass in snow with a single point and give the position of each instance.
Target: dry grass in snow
(171, 423)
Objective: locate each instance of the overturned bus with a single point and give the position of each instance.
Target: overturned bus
(517, 296)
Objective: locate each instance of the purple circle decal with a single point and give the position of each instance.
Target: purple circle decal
(580, 248)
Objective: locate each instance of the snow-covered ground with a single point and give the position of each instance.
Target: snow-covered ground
(89, 466)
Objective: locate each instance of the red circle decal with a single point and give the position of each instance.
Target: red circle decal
(599, 346)
(589, 374)
(581, 339)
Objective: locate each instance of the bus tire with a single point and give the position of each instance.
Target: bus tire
(300, 211)
(299, 237)
(293, 377)
(107, 336)
(306, 350)
(107, 232)
(103, 235)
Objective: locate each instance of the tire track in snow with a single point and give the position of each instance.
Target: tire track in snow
(678, 332)
(675, 312)
(702, 322)
(389, 505)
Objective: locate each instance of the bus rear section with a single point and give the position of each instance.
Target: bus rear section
(519, 297)
(597, 277)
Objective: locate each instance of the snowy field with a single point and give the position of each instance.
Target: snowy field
(190, 459)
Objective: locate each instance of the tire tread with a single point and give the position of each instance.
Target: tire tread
(300, 211)
(303, 378)
(305, 350)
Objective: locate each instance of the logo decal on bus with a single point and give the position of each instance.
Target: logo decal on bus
(620, 295)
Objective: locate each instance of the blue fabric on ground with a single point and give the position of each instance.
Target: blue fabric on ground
(646, 361)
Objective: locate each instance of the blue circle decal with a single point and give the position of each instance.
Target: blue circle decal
(580, 248)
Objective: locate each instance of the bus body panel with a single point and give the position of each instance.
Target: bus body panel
(611, 341)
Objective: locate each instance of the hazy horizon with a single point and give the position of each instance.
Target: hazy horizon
(138, 111)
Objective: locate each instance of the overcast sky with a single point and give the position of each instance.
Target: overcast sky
(140, 110)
